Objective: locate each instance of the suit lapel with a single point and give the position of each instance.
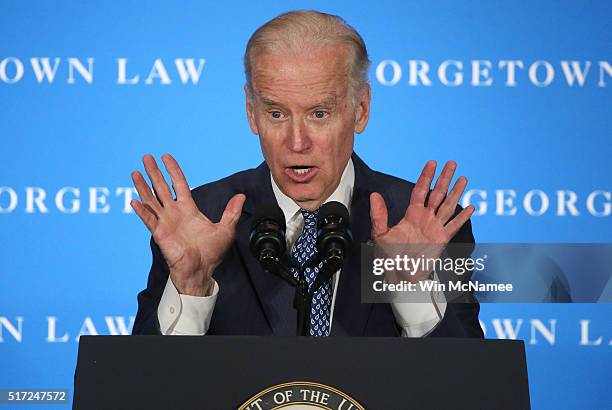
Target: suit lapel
(350, 314)
(274, 294)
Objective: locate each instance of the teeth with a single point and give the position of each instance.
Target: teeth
(301, 171)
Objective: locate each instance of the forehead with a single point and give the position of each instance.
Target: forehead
(320, 74)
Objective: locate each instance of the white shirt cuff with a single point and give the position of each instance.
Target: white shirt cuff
(418, 319)
(184, 314)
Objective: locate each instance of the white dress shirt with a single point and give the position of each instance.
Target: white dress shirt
(190, 315)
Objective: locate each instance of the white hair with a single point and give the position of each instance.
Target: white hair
(298, 31)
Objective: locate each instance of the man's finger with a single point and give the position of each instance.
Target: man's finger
(164, 195)
(144, 191)
(179, 182)
(441, 188)
(233, 210)
(144, 214)
(420, 190)
(447, 209)
(378, 215)
(457, 222)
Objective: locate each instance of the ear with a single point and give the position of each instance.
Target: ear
(250, 110)
(362, 113)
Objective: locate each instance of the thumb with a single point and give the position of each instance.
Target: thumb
(233, 209)
(378, 215)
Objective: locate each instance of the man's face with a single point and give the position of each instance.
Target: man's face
(303, 111)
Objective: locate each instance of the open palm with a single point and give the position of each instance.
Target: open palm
(192, 245)
(426, 227)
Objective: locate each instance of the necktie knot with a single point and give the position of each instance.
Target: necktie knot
(310, 218)
(305, 247)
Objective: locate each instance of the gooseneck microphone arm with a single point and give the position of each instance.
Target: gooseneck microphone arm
(268, 245)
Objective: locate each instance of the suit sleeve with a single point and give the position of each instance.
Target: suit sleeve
(466, 310)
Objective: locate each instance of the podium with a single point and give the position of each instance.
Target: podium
(250, 372)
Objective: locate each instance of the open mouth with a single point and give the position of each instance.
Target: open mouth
(301, 170)
(301, 173)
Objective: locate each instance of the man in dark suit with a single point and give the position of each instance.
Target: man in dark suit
(307, 94)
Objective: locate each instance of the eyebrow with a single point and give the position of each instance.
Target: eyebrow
(326, 102)
(268, 101)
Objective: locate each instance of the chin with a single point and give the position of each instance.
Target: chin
(303, 193)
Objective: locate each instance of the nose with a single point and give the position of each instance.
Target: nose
(298, 139)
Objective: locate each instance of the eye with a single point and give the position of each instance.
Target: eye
(320, 114)
(276, 114)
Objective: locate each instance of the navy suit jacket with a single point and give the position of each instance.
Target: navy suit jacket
(254, 302)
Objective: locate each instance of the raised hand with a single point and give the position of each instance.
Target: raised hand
(428, 227)
(192, 245)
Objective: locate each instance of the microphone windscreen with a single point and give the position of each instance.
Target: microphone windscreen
(270, 212)
(334, 208)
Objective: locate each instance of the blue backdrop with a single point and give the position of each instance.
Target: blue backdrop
(517, 92)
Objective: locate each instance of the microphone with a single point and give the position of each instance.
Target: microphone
(267, 239)
(334, 237)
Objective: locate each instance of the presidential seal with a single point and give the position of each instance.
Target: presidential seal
(301, 396)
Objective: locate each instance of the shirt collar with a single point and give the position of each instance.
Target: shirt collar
(343, 193)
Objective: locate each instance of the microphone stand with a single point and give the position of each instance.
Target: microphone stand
(302, 301)
(303, 296)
